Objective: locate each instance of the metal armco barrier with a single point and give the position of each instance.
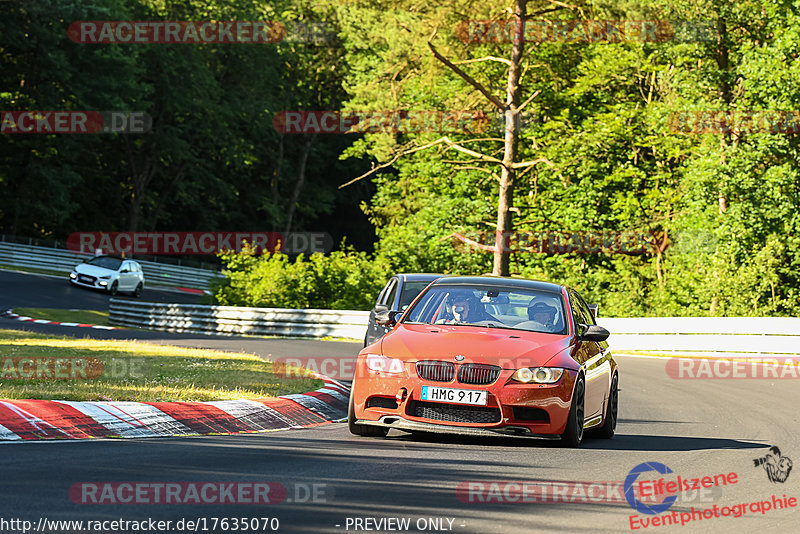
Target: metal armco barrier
(689, 336)
(63, 261)
(233, 320)
(706, 336)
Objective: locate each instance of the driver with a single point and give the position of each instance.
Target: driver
(543, 313)
(465, 308)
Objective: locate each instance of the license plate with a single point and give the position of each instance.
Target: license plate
(455, 396)
(84, 279)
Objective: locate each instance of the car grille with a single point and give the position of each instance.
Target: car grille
(476, 373)
(86, 279)
(436, 371)
(454, 413)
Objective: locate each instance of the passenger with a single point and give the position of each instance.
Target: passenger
(545, 315)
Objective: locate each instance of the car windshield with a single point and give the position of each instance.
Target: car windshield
(489, 306)
(106, 262)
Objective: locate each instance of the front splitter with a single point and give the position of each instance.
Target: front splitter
(400, 423)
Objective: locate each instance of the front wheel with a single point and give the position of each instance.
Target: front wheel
(573, 433)
(113, 289)
(361, 430)
(609, 426)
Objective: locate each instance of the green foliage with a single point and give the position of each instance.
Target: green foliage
(599, 134)
(212, 159)
(343, 280)
(610, 161)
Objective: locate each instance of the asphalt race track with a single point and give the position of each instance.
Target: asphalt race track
(42, 291)
(697, 428)
(36, 291)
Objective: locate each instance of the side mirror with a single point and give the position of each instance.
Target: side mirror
(592, 333)
(389, 319)
(381, 309)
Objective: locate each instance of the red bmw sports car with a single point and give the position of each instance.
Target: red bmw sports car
(489, 356)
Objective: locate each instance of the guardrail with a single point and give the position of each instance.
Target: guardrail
(705, 336)
(234, 320)
(62, 261)
(687, 336)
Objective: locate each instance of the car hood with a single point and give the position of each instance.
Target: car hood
(92, 270)
(494, 346)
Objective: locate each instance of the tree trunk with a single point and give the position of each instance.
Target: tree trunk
(506, 194)
(140, 179)
(276, 173)
(301, 178)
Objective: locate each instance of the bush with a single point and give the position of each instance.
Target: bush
(342, 280)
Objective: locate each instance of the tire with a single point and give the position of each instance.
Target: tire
(610, 424)
(138, 291)
(362, 430)
(113, 289)
(573, 433)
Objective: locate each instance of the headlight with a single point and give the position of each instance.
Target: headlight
(538, 375)
(106, 277)
(384, 364)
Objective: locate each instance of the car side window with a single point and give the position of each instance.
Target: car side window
(578, 314)
(586, 311)
(385, 293)
(392, 295)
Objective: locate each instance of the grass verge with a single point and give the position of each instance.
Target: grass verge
(63, 368)
(33, 270)
(65, 316)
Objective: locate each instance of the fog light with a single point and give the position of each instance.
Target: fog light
(73, 276)
(103, 283)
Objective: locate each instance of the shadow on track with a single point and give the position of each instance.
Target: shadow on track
(638, 442)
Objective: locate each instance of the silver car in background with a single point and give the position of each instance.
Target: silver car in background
(111, 274)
